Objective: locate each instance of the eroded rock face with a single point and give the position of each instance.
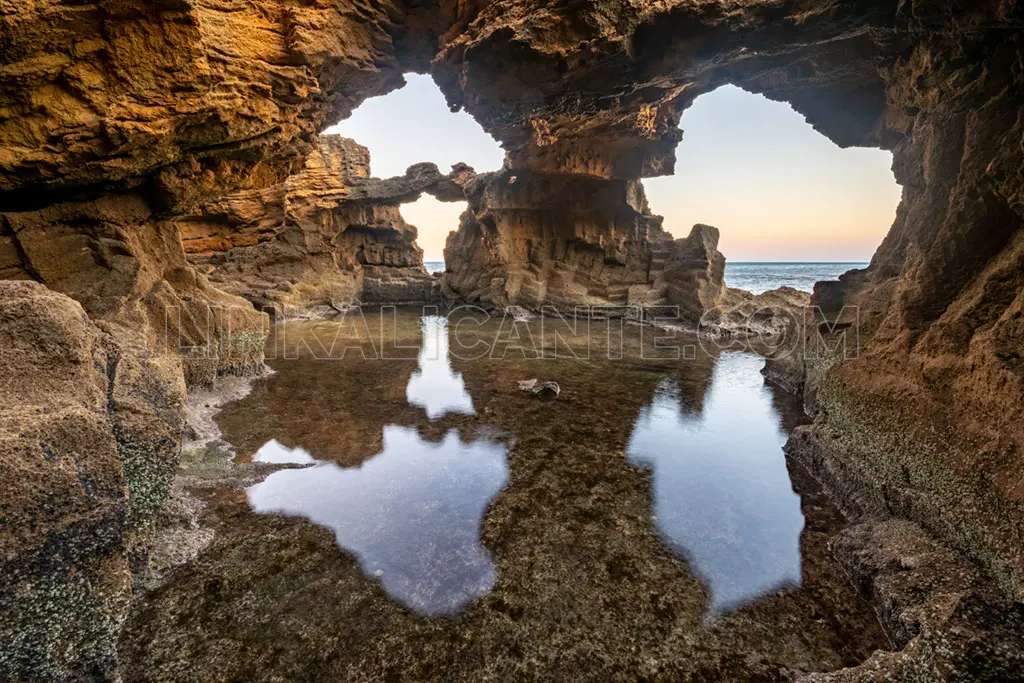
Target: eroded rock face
(598, 88)
(117, 90)
(937, 611)
(564, 241)
(330, 235)
(89, 439)
(120, 120)
(126, 266)
(930, 409)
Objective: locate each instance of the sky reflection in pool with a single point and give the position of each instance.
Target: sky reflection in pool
(722, 493)
(276, 453)
(411, 514)
(434, 386)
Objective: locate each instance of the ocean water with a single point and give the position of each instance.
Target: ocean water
(761, 277)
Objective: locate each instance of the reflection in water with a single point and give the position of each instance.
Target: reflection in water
(276, 453)
(434, 386)
(722, 493)
(411, 514)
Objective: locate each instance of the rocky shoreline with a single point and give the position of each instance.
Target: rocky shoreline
(945, 619)
(164, 187)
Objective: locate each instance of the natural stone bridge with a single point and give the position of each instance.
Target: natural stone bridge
(160, 155)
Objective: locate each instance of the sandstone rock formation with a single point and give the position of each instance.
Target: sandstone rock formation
(930, 412)
(122, 121)
(187, 95)
(774, 317)
(937, 612)
(566, 241)
(126, 266)
(328, 235)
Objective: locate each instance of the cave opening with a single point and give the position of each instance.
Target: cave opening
(414, 125)
(785, 198)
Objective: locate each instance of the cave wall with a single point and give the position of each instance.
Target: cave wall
(127, 125)
(90, 432)
(118, 118)
(116, 91)
(928, 415)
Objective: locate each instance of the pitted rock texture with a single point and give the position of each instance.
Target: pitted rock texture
(774, 316)
(127, 268)
(940, 614)
(117, 90)
(119, 118)
(328, 235)
(89, 439)
(929, 406)
(598, 88)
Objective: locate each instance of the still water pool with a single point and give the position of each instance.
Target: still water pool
(418, 517)
(722, 494)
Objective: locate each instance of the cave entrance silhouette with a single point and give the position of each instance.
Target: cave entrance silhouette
(413, 125)
(778, 190)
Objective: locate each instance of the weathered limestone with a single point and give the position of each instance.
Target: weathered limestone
(117, 90)
(564, 241)
(938, 612)
(330, 235)
(121, 121)
(89, 439)
(930, 410)
(127, 268)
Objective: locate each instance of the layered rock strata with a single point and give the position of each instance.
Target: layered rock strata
(562, 242)
(120, 119)
(927, 411)
(329, 235)
(126, 266)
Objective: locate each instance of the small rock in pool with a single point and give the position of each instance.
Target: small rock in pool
(535, 386)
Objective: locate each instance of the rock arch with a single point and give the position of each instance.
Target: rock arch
(328, 236)
(123, 122)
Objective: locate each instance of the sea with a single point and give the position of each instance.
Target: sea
(762, 277)
(758, 278)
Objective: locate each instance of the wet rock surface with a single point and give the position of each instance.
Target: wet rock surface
(947, 620)
(585, 582)
(121, 119)
(89, 441)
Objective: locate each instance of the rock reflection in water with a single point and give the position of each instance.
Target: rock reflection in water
(411, 514)
(722, 493)
(434, 386)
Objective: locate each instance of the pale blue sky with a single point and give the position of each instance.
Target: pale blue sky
(777, 190)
